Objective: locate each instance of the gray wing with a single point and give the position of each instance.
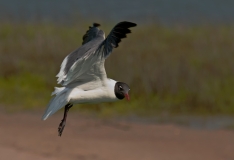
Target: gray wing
(87, 62)
(91, 33)
(82, 64)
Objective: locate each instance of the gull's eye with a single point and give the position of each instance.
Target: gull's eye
(120, 88)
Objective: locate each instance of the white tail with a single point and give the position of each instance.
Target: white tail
(59, 101)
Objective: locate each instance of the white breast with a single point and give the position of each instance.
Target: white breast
(104, 93)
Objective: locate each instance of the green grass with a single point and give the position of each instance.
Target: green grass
(180, 70)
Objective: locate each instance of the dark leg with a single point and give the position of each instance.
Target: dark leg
(63, 122)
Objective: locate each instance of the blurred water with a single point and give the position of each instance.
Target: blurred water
(167, 12)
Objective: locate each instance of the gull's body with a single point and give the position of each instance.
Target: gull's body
(104, 93)
(83, 76)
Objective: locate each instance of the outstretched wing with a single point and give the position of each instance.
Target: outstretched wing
(87, 62)
(82, 64)
(91, 33)
(119, 32)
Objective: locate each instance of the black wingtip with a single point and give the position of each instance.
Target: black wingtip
(96, 25)
(132, 24)
(127, 24)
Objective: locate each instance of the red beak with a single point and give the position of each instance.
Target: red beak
(127, 96)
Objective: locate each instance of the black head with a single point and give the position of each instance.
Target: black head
(121, 90)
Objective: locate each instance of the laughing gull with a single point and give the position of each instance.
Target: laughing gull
(83, 76)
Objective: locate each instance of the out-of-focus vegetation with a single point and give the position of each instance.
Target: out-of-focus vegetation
(170, 70)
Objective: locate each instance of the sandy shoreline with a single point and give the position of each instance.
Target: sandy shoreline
(25, 136)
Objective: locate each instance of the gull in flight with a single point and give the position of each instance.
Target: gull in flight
(82, 73)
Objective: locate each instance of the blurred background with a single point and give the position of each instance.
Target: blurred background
(178, 63)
